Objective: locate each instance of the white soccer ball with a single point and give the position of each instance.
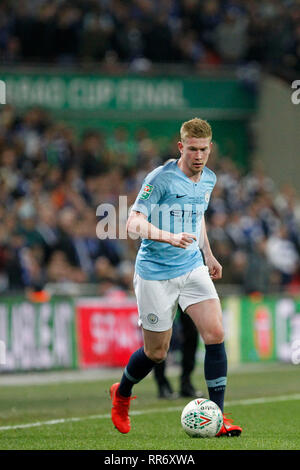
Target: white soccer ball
(201, 418)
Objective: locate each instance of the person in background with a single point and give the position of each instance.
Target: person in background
(189, 343)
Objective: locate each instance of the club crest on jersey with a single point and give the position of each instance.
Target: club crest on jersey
(147, 190)
(206, 197)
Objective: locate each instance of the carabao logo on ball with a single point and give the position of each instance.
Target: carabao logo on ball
(201, 418)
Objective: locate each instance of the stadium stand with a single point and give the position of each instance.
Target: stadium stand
(155, 31)
(52, 182)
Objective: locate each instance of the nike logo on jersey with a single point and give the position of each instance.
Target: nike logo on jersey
(177, 195)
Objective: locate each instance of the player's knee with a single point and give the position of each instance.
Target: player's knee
(214, 335)
(157, 355)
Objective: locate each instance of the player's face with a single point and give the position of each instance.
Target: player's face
(194, 154)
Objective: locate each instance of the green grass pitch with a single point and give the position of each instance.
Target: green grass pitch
(265, 402)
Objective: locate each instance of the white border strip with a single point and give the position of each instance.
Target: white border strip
(249, 401)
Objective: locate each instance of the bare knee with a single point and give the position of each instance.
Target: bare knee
(156, 344)
(214, 335)
(156, 355)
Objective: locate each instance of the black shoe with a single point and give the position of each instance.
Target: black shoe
(165, 391)
(187, 390)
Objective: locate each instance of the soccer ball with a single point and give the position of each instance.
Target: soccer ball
(201, 418)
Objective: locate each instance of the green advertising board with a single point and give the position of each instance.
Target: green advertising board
(44, 336)
(38, 336)
(287, 315)
(258, 330)
(158, 104)
(220, 97)
(262, 329)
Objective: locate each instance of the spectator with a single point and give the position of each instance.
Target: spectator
(258, 270)
(283, 255)
(146, 32)
(51, 185)
(59, 270)
(92, 160)
(67, 33)
(231, 37)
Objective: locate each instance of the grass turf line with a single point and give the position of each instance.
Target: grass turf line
(267, 425)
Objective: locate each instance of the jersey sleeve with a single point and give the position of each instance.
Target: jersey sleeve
(151, 193)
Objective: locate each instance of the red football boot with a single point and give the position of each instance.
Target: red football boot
(228, 429)
(120, 409)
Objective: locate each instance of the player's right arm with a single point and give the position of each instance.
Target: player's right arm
(137, 224)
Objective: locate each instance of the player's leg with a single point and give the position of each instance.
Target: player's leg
(207, 317)
(156, 344)
(163, 385)
(157, 304)
(141, 362)
(200, 301)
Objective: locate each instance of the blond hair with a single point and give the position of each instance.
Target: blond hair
(196, 127)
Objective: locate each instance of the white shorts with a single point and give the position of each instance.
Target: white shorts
(158, 300)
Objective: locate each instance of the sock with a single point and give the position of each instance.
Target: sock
(138, 367)
(215, 370)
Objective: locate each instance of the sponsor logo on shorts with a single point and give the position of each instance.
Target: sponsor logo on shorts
(152, 318)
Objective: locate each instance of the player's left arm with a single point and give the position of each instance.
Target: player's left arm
(214, 267)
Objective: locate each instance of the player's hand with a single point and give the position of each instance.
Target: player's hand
(182, 240)
(214, 267)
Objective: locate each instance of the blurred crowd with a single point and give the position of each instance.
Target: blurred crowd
(142, 32)
(52, 182)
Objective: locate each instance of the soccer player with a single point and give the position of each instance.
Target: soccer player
(172, 270)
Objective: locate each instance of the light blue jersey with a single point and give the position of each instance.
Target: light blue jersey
(172, 202)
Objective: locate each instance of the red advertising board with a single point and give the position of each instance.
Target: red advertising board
(108, 332)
